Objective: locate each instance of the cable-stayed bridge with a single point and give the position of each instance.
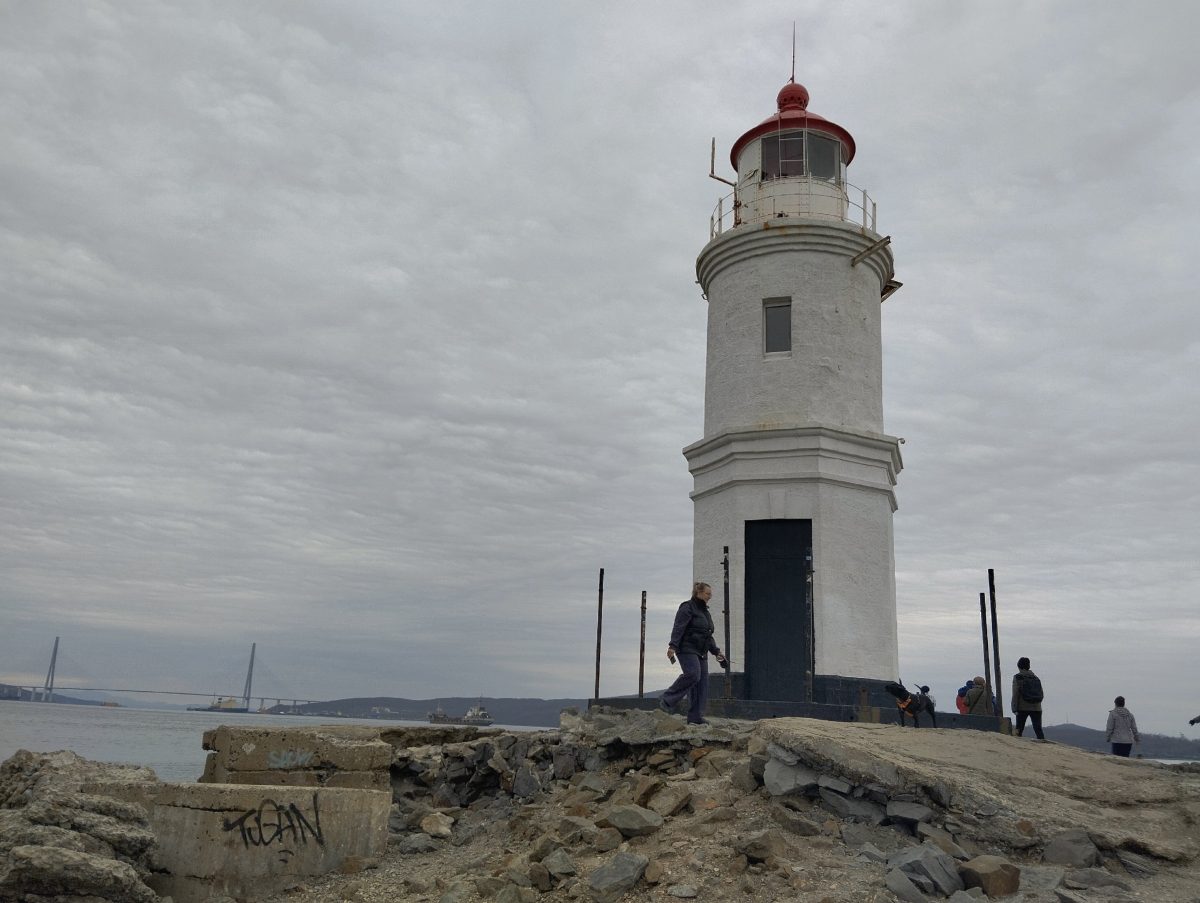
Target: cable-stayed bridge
(222, 702)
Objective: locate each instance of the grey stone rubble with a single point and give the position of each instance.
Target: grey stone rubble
(635, 806)
(57, 842)
(626, 773)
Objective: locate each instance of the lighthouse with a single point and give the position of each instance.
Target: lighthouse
(794, 474)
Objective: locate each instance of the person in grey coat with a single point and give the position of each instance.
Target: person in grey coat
(979, 700)
(1122, 730)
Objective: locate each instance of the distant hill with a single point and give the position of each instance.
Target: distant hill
(8, 691)
(1153, 746)
(528, 712)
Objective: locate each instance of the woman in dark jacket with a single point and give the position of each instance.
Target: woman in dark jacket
(692, 641)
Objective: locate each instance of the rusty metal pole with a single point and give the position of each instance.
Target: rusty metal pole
(987, 665)
(728, 663)
(642, 652)
(995, 642)
(599, 626)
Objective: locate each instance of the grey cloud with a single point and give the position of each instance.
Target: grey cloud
(370, 335)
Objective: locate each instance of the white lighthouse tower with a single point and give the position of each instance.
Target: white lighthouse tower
(795, 474)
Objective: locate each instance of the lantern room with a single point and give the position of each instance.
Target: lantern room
(793, 164)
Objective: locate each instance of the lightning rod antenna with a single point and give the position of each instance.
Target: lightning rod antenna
(793, 78)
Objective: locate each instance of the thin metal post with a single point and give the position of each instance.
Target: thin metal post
(809, 678)
(642, 652)
(864, 206)
(987, 665)
(995, 642)
(728, 664)
(599, 626)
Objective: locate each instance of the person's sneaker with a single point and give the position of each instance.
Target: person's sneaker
(701, 721)
(663, 706)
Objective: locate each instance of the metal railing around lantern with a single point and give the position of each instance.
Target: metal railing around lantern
(799, 196)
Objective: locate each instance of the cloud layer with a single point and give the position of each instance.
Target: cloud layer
(371, 334)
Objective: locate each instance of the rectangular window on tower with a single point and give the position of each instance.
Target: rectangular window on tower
(777, 325)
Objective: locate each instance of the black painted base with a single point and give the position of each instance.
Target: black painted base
(835, 698)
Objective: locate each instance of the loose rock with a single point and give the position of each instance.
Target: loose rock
(1071, 848)
(609, 882)
(995, 875)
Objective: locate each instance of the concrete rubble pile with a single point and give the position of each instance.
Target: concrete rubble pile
(638, 806)
(632, 805)
(59, 843)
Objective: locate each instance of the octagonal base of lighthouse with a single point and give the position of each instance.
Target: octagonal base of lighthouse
(806, 513)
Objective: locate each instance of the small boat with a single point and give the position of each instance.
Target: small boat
(225, 704)
(476, 715)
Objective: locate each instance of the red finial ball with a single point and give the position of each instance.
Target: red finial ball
(793, 96)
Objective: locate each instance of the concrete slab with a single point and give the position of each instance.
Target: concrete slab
(248, 841)
(333, 747)
(312, 777)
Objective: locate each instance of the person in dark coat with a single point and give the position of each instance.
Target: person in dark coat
(1025, 684)
(691, 642)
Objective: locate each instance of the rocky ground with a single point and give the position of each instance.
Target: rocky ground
(639, 807)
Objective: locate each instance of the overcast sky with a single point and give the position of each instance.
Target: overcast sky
(369, 332)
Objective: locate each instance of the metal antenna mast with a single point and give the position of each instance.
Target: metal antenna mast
(793, 78)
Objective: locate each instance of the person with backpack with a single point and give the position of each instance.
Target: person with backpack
(691, 642)
(1027, 695)
(979, 700)
(1122, 730)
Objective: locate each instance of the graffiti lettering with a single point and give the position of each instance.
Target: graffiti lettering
(288, 758)
(281, 823)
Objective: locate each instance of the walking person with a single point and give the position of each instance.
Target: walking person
(692, 641)
(1122, 730)
(1027, 695)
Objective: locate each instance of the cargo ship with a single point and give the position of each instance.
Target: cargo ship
(476, 715)
(225, 704)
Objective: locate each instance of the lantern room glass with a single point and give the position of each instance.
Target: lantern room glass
(801, 152)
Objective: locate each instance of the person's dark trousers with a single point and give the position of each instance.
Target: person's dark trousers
(1122, 749)
(1036, 718)
(693, 683)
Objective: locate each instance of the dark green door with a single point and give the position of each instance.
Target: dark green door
(779, 644)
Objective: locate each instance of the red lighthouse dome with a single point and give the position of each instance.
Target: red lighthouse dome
(793, 115)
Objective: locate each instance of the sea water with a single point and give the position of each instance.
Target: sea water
(169, 741)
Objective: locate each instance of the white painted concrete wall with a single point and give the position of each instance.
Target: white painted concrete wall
(834, 374)
(843, 483)
(800, 436)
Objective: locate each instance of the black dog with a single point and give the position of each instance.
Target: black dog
(912, 704)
